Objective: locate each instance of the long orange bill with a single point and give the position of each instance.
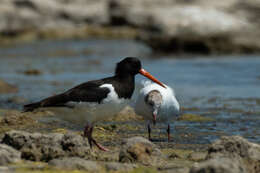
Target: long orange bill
(149, 76)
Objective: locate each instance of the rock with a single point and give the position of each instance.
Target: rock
(75, 163)
(5, 169)
(15, 118)
(115, 166)
(197, 156)
(7, 88)
(236, 147)
(8, 155)
(49, 14)
(32, 72)
(178, 170)
(192, 26)
(139, 149)
(219, 165)
(45, 147)
(233, 146)
(176, 26)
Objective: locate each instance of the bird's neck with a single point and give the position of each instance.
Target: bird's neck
(127, 86)
(126, 78)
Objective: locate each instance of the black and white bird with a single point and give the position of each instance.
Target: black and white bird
(98, 99)
(155, 103)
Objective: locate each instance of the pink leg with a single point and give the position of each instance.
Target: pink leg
(88, 133)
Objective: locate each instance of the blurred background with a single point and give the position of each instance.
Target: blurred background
(208, 51)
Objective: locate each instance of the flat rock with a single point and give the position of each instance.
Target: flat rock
(8, 155)
(237, 148)
(197, 156)
(219, 165)
(115, 166)
(139, 149)
(45, 147)
(75, 163)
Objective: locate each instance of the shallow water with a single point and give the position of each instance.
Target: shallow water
(224, 88)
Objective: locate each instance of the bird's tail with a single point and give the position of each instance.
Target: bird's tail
(56, 100)
(31, 107)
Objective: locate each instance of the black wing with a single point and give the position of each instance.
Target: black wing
(86, 92)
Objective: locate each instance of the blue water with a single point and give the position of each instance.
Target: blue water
(226, 88)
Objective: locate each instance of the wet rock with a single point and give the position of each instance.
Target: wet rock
(75, 163)
(34, 72)
(219, 165)
(45, 147)
(115, 166)
(8, 155)
(7, 88)
(236, 147)
(139, 149)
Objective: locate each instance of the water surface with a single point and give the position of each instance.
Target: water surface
(225, 88)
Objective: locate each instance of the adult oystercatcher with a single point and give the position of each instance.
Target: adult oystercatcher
(99, 99)
(155, 103)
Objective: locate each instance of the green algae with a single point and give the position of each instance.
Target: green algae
(41, 167)
(194, 118)
(177, 153)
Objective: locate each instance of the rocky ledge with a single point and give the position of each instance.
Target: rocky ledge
(177, 26)
(70, 152)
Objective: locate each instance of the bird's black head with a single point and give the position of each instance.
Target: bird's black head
(129, 65)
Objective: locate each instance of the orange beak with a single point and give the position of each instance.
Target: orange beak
(149, 76)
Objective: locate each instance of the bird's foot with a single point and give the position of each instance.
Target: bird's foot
(88, 133)
(100, 146)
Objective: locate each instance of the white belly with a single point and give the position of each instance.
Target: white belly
(83, 112)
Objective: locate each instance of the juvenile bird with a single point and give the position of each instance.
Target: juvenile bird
(155, 103)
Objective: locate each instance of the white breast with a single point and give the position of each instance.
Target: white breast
(169, 108)
(92, 112)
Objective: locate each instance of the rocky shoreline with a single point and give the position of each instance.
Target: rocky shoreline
(36, 146)
(58, 152)
(178, 26)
